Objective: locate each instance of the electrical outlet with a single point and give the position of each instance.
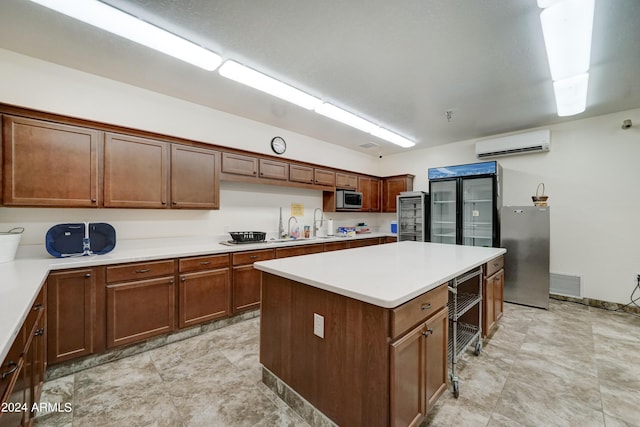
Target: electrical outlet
(318, 325)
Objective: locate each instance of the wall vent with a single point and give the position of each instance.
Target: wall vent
(563, 284)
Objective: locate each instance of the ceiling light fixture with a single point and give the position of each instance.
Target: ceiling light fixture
(124, 25)
(343, 116)
(567, 27)
(392, 137)
(255, 79)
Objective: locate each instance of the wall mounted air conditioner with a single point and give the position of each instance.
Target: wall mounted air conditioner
(523, 143)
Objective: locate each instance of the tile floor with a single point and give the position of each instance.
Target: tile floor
(570, 366)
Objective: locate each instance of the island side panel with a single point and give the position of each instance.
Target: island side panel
(346, 374)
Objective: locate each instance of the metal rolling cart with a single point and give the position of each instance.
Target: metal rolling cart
(461, 334)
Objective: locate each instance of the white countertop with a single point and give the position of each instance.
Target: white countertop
(384, 275)
(21, 280)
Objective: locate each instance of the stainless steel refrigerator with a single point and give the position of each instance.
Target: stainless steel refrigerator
(525, 234)
(413, 215)
(465, 204)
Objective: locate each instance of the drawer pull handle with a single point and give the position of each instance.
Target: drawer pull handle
(37, 307)
(427, 332)
(87, 275)
(426, 306)
(38, 332)
(184, 279)
(253, 256)
(205, 262)
(13, 366)
(171, 282)
(144, 270)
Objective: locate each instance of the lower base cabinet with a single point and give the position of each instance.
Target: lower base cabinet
(246, 280)
(22, 371)
(492, 294)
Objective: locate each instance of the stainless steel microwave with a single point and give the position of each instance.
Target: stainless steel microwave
(347, 199)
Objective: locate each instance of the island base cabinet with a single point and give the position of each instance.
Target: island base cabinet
(418, 371)
(140, 310)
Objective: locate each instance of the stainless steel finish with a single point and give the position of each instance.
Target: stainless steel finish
(315, 222)
(412, 209)
(525, 235)
(289, 226)
(280, 226)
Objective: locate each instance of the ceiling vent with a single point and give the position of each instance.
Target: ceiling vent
(368, 145)
(524, 143)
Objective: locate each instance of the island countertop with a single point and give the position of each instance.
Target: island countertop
(384, 275)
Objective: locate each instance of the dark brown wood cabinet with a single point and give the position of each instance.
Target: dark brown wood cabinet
(75, 301)
(492, 294)
(246, 280)
(370, 189)
(324, 177)
(335, 246)
(136, 172)
(195, 177)
(49, 164)
(22, 372)
(363, 242)
(392, 186)
(204, 289)
(346, 181)
(299, 173)
(140, 300)
(299, 250)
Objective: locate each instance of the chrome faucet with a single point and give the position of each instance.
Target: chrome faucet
(315, 227)
(289, 227)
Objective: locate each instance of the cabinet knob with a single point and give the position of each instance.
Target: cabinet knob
(13, 367)
(93, 200)
(175, 203)
(87, 275)
(253, 256)
(171, 282)
(164, 202)
(37, 307)
(144, 270)
(426, 306)
(205, 262)
(427, 332)
(39, 332)
(183, 279)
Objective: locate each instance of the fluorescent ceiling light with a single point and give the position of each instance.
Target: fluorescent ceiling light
(238, 72)
(571, 94)
(392, 137)
(567, 26)
(122, 24)
(343, 116)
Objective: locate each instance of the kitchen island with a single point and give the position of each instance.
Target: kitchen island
(362, 335)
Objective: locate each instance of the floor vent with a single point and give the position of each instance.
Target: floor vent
(563, 284)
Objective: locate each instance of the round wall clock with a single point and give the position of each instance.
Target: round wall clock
(278, 145)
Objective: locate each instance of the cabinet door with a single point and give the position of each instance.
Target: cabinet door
(436, 342)
(370, 189)
(15, 398)
(136, 172)
(408, 404)
(298, 173)
(488, 305)
(246, 288)
(195, 177)
(71, 307)
(139, 310)
(238, 164)
(346, 181)
(274, 170)
(498, 295)
(49, 164)
(392, 187)
(324, 177)
(363, 242)
(204, 296)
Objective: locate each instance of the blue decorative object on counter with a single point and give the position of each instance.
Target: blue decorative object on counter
(79, 239)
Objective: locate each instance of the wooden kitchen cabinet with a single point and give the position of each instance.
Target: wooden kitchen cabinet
(324, 177)
(299, 250)
(346, 181)
(49, 164)
(273, 169)
(136, 172)
(335, 246)
(299, 173)
(370, 189)
(363, 242)
(204, 289)
(75, 314)
(140, 300)
(195, 177)
(418, 370)
(238, 164)
(23, 370)
(392, 186)
(246, 280)
(492, 294)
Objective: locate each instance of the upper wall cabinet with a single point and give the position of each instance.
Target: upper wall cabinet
(370, 189)
(195, 178)
(237, 164)
(346, 181)
(393, 186)
(49, 164)
(136, 172)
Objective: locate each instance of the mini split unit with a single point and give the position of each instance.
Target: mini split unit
(524, 143)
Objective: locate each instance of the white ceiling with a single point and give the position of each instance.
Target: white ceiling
(399, 64)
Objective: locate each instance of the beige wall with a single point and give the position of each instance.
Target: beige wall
(591, 173)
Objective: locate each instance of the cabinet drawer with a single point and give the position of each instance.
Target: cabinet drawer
(299, 250)
(417, 310)
(203, 262)
(494, 265)
(137, 271)
(36, 308)
(250, 257)
(335, 246)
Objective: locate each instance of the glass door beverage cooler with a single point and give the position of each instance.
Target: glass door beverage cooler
(413, 214)
(465, 204)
